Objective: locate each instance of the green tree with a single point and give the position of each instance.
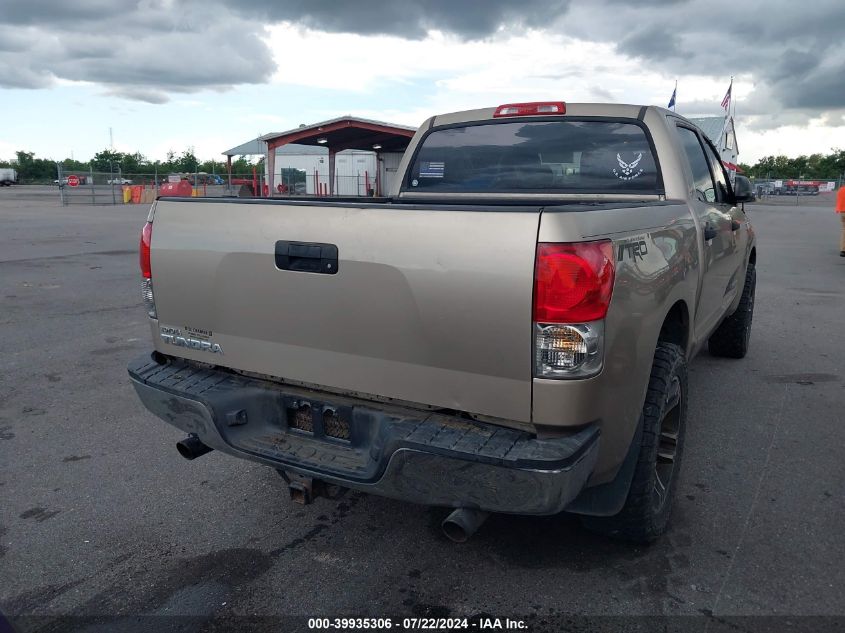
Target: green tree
(186, 162)
(33, 170)
(213, 167)
(816, 166)
(105, 160)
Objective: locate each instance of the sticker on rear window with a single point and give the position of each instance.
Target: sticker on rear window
(432, 169)
(628, 170)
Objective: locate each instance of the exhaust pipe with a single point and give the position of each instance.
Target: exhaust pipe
(191, 447)
(463, 523)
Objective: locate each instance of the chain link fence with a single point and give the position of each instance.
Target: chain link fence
(800, 191)
(88, 187)
(358, 174)
(117, 187)
(796, 186)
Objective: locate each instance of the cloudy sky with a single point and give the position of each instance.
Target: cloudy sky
(173, 74)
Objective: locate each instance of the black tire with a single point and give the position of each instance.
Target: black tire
(731, 338)
(645, 514)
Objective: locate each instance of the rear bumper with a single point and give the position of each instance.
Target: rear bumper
(404, 453)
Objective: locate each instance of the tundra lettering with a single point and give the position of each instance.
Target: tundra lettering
(191, 343)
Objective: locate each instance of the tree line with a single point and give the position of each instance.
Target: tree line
(43, 170)
(815, 166)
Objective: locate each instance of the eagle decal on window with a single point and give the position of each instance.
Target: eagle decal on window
(627, 171)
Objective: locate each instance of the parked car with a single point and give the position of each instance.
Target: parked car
(508, 332)
(798, 190)
(119, 181)
(203, 178)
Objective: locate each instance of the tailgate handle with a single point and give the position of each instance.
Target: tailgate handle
(306, 257)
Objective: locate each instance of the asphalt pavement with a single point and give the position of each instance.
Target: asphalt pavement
(100, 516)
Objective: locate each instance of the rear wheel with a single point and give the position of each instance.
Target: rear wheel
(645, 514)
(731, 338)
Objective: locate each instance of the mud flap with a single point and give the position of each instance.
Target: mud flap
(607, 499)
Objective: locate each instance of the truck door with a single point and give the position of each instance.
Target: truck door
(737, 240)
(712, 206)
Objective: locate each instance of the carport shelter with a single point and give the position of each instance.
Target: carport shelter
(387, 140)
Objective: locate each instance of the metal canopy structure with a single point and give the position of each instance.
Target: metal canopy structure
(715, 127)
(721, 130)
(337, 135)
(255, 147)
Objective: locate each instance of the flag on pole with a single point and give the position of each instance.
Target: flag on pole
(674, 94)
(726, 102)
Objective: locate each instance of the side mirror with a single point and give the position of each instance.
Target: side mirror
(743, 192)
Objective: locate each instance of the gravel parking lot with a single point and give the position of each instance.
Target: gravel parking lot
(100, 517)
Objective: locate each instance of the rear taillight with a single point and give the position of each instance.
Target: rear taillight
(573, 284)
(146, 238)
(537, 108)
(146, 270)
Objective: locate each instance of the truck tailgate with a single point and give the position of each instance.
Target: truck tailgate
(429, 304)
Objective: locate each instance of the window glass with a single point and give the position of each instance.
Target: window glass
(701, 177)
(722, 190)
(535, 157)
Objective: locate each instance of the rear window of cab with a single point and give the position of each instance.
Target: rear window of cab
(531, 156)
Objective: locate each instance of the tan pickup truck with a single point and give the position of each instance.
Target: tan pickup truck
(508, 331)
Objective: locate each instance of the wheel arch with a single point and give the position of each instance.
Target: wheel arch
(676, 326)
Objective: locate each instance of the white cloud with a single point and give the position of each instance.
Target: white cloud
(789, 140)
(7, 150)
(355, 63)
(629, 55)
(531, 66)
(535, 64)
